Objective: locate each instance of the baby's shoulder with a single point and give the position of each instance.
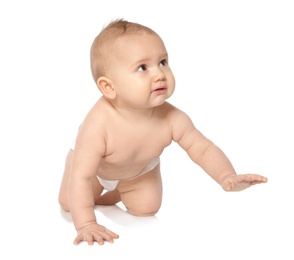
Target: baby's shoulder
(101, 107)
(171, 111)
(98, 113)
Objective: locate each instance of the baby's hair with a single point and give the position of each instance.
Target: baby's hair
(103, 43)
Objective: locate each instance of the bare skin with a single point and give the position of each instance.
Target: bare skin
(127, 128)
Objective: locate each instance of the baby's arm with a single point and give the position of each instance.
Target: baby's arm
(209, 156)
(88, 151)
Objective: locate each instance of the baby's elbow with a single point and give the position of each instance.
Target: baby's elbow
(63, 204)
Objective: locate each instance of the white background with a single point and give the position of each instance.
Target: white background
(233, 63)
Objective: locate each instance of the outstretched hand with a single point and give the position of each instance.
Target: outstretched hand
(241, 182)
(95, 232)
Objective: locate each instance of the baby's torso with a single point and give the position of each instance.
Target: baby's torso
(130, 149)
(132, 145)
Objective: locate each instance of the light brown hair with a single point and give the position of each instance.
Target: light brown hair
(103, 43)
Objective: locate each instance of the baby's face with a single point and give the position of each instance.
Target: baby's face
(140, 71)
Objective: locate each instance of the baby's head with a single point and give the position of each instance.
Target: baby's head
(129, 64)
(103, 45)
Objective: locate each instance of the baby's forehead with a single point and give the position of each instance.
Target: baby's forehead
(143, 42)
(138, 38)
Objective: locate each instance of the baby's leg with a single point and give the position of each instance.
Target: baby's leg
(143, 195)
(63, 192)
(108, 198)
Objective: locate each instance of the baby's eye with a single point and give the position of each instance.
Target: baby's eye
(163, 62)
(142, 68)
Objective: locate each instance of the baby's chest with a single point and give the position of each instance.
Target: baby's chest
(136, 146)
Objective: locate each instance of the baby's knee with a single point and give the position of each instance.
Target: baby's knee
(144, 210)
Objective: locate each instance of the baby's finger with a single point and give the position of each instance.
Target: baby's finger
(113, 235)
(104, 236)
(109, 236)
(89, 238)
(78, 239)
(98, 237)
(254, 178)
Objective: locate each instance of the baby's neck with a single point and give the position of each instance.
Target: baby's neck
(134, 113)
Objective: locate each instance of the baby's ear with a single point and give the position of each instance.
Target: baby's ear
(105, 86)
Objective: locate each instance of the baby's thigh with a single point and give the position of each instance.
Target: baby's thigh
(143, 195)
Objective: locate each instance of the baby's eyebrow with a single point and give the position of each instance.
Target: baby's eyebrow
(145, 60)
(164, 55)
(142, 61)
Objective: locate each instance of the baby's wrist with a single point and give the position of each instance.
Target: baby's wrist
(225, 184)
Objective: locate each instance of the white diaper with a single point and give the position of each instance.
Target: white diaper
(108, 184)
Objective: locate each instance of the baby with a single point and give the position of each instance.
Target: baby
(120, 141)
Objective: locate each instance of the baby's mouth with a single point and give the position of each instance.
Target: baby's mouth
(159, 89)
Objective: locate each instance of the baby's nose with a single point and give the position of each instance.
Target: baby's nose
(159, 75)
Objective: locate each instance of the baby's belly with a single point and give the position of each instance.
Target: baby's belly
(124, 170)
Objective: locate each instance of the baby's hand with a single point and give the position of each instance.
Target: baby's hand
(95, 232)
(241, 182)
